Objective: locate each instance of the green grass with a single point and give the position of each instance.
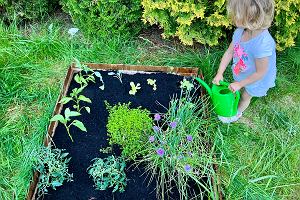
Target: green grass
(259, 155)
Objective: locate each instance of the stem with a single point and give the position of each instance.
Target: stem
(68, 131)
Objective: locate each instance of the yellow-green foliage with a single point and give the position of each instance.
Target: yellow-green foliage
(287, 22)
(206, 21)
(189, 20)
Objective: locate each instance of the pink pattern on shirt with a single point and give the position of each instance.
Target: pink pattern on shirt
(240, 54)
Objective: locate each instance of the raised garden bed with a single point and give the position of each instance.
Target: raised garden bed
(87, 145)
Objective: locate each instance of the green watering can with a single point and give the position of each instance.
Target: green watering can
(225, 102)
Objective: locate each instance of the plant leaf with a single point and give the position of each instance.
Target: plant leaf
(79, 124)
(102, 87)
(83, 98)
(58, 117)
(111, 73)
(56, 184)
(69, 113)
(87, 109)
(65, 100)
(77, 79)
(98, 74)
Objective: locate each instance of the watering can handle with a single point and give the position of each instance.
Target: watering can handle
(237, 94)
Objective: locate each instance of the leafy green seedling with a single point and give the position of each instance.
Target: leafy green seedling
(117, 75)
(152, 82)
(185, 84)
(76, 97)
(52, 164)
(83, 79)
(109, 172)
(65, 119)
(134, 88)
(106, 150)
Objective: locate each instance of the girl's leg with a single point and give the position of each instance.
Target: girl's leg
(244, 102)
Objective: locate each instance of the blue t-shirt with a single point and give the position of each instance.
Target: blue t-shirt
(245, 53)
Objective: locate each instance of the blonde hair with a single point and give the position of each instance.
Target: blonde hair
(251, 14)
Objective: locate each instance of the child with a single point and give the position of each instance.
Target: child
(252, 50)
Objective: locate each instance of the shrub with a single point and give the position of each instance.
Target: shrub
(52, 164)
(128, 128)
(287, 22)
(105, 17)
(109, 172)
(206, 22)
(178, 150)
(26, 10)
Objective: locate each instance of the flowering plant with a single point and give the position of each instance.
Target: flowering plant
(177, 149)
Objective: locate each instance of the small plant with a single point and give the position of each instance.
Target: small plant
(152, 82)
(66, 119)
(76, 97)
(128, 128)
(185, 84)
(109, 172)
(134, 88)
(117, 75)
(88, 76)
(52, 164)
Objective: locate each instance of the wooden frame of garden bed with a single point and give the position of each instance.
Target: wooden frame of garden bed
(183, 71)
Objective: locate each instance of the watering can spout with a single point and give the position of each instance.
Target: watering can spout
(205, 86)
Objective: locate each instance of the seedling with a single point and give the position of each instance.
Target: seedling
(152, 82)
(66, 119)
(117, 75)
(185, 84)
(109, 172)
(83, 79)
(76, 97)
(134, 88)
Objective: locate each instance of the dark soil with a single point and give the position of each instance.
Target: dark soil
(86, 146)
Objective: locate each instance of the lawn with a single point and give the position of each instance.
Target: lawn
(259, 155)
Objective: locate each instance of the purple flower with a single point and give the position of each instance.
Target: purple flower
(157, 117)
(160, 152)
(189, 138)
(155, 128)
(187, 168)
(173, 124)
(151, 138)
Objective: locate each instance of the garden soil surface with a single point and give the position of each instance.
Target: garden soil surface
(86, 145)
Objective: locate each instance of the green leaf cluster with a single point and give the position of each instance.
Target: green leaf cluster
(128, 128)
(52, 164)
(206, 21)
(105, 17)
(109, 173)
(66, 121)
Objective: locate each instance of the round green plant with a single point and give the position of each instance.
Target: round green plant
(128, 128)
(108, 172)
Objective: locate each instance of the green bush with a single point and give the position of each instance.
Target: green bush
(206, 22)
(128, 128)
(105, 17)
(26, 10)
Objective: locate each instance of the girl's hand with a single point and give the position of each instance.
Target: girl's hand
(217, 79)
(235, 86)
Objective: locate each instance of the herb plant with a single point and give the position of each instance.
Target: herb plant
(66, 121)
(152, 82)
(117, 75)
(134, 88)
(76, 97)
(109, 172)
(52, 164)
(177, 151)
(128, 128)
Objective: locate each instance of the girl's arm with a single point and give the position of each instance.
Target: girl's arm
(227, 57)
(261, 65)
